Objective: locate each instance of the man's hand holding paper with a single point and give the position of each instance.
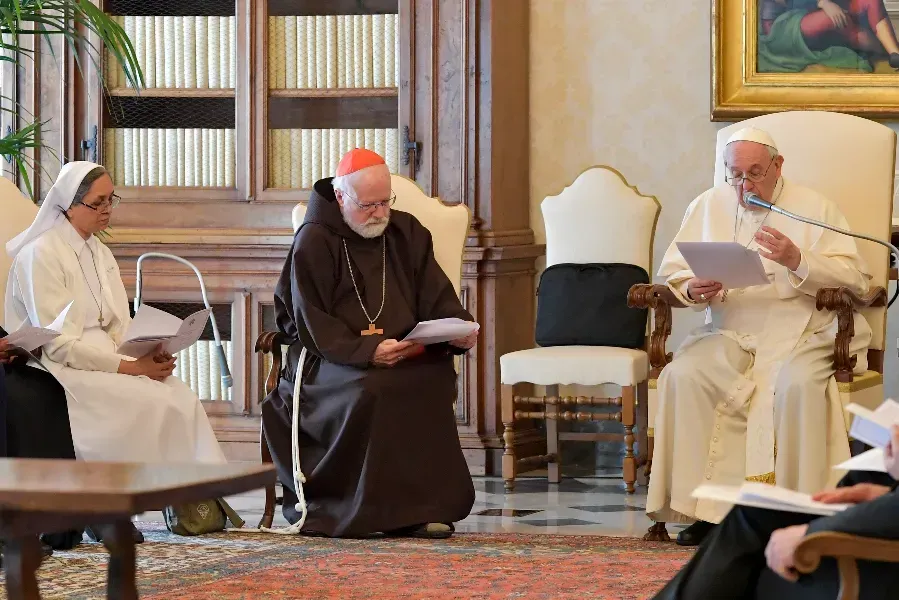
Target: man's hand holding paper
(729, 264)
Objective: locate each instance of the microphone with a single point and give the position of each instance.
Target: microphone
(227, 380)
(753, 199)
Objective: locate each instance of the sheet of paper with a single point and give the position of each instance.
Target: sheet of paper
(761, 495)
(871, 460)
(190, 331)
(873, 427)
(441, 330)
(728, 263)
(29, 338)
(151, 323)
(159, 328)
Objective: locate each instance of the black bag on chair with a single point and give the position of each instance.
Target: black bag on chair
(586, 305)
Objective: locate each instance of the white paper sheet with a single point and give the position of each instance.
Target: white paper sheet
(728, 263)
(762, 495)
(873, 427)
(152, 327)
(871, 460)
(29, 338)
(441, 330)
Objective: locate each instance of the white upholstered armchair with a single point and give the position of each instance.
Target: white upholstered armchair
(18, 212)
(852, 162)
(599, 218)
(448, 224)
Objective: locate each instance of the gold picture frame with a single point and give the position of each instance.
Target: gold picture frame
(740, 91)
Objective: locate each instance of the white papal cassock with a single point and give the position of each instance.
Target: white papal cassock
(750, 395)
(114, 417)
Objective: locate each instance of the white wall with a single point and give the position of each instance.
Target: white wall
(626, 83)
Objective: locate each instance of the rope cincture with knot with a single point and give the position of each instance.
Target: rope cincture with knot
(298, 478)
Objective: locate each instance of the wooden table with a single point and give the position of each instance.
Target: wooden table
(38, 496)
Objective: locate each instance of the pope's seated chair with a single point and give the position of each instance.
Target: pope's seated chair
(599, 218)
(18, 212)
(851, 161)
(448, 224)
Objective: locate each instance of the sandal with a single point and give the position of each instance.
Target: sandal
(428, 531)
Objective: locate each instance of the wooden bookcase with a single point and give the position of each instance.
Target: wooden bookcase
(456, 103)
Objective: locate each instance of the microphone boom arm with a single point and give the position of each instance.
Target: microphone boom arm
(893, 250)
(227, 380)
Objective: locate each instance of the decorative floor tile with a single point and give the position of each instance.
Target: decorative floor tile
(610, 508)
(505, 512)
(557, 522)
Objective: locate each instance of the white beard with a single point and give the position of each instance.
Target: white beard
(372, 228)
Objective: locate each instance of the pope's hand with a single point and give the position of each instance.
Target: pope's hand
(780, 248)
(466, 343)
(390, 352)
(781, 550)
(891, 453)
(702, 290)
(856, 494)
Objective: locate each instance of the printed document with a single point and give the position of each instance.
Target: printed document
(29, 338)
(762, 495)
(870, 460)
(152, 327)
(441, 330)
(728, 263)
(873, 427)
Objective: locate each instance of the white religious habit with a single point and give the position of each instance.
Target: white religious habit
(114, 417)
(750, 395)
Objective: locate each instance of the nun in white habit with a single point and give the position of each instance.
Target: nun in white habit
(120, 409)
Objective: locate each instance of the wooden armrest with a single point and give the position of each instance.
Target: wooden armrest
(661, 300)
(270, 342)
(846, 549)
(844, 301)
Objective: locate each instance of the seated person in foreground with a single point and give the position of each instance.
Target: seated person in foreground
(120, 409)
(377, 436)
(750, 395)
(34, 420)
(732, 561)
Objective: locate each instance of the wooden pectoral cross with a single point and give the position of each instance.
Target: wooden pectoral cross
(372, 331)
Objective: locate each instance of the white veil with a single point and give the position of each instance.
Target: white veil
(58, 200)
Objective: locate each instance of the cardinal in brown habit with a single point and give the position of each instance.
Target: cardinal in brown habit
(376, 430)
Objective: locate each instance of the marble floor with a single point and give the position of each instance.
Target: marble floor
(576, 506)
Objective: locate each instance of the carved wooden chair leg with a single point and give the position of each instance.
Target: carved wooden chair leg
(507, 410)
(641, 424)
(268, 516)
(657, 533)
(628, 410)
(554, 466)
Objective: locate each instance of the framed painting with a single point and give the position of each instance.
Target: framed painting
(776, 55)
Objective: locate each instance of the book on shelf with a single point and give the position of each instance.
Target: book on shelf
(170, 157)
(179, 52)
(300, 157)
(333, 52)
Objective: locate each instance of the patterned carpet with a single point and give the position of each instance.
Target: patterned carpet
(469, 566)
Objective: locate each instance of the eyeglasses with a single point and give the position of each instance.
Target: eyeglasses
(736, 180)
(105, 205)
(371, 207)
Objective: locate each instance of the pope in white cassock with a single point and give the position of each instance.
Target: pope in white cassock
(750, 395)
(120, 409)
